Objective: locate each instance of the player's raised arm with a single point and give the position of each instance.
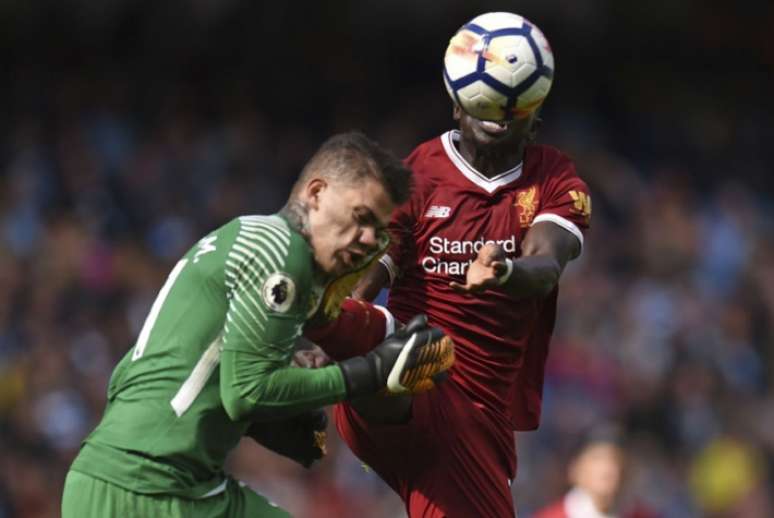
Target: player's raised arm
(268, 279)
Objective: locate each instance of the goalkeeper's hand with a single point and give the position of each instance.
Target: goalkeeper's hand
(312, 357)
(411, 360)
(300, 438)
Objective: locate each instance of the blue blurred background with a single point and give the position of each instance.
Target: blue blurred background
(130, 128)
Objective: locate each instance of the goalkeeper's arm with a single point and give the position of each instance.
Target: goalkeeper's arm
(256, 387)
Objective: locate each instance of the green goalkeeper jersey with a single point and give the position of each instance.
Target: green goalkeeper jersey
(213, 355)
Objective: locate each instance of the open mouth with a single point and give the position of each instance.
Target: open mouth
(494, 128)
(349, 258)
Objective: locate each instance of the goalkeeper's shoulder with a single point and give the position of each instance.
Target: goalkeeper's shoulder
(266, 246)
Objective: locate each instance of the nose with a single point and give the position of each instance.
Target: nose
(368, 236)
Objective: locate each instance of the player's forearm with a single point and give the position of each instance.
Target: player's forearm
(258, 390)
(533, 276)
(372, 282)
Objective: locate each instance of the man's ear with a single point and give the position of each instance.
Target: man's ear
(456, 112)
(312, 191)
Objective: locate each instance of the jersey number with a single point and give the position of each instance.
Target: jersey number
(142, 341)
(195, 382)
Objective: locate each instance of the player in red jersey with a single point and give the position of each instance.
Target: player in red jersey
(481, 245)
(480, 248)
(454, 453)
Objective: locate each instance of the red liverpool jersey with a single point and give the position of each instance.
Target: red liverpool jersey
(502, 342)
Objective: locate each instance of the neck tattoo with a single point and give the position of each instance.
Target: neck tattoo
(297, 215)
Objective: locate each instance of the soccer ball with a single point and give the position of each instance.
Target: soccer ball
(498, 67)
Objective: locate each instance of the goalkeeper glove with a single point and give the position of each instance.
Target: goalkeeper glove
(411, 360)
(300, 438)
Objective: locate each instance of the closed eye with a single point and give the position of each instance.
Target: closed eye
(365, 217)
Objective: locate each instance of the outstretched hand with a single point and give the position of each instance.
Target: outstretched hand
(484, 272)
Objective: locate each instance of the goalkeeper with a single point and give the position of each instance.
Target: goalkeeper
(213, 359)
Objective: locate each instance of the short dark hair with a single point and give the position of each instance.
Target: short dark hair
(598, 433)
(353, 156)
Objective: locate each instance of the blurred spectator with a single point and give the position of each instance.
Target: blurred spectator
(596, 476)
(727, 480)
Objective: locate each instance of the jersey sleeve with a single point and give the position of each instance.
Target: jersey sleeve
(268, 281)
(566, 200)
(403, 223)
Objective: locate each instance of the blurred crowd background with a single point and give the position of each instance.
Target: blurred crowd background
(131, 128)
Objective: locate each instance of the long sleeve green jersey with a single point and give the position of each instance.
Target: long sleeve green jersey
(213, 355)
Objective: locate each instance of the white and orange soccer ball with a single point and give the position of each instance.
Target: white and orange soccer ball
(498, 67)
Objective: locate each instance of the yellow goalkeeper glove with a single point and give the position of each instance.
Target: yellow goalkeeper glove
(409, 361)
(341, 288)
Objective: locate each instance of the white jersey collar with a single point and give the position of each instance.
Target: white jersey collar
(578, 504)
(488, 184)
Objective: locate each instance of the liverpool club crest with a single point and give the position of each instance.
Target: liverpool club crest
(526, 202)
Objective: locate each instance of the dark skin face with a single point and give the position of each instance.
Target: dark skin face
(491, 148)
(545, 250)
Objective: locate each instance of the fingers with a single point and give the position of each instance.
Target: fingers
(425, 339)
(466, 288)
(499, 268)
(304, 359)
(459, 288)
(422, 354)
(434, 333)
(435, 357)
(310, 359)
(417, 323)
(491, 252)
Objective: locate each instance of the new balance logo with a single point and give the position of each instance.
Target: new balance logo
(438, 211)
